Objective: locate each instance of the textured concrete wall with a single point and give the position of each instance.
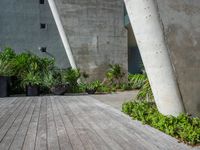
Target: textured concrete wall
(96, 33)
(181, 22)
(20, 29)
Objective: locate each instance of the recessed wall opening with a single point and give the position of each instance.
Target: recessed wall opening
(41, 1)
(135, 64)
(43, 26)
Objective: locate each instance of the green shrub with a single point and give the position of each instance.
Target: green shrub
(141, 82)
(71, 76)
(7, 62)
(137, 80)
(104, 89)
(145, 92)
(32, 69)
(115, 74)
(31, 79)
(93, 85)
(183, 127)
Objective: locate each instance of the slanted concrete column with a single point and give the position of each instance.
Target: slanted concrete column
(62, 33)
(148, 31)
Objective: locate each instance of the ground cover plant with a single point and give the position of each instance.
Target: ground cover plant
(184, 127)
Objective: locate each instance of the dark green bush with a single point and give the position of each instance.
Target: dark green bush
(183, 127)
(93, 85)
(71, 76)
(7, 62)
(115, 74)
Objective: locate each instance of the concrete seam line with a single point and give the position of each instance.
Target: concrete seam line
(62, 33)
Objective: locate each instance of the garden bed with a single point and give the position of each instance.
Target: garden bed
(184, 127)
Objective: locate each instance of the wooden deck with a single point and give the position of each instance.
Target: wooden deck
(74, 123)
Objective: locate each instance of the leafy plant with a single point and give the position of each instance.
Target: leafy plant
(104, 89)
(183, 127)
(7, 54)
(145, 92)
(141, 82)
(115, 74)
(48, 79)
(31, 79)
(93, 85)
(7, 64)
(125, 86)
(137, 80)
(71, 76)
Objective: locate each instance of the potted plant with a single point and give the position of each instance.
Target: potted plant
(32, 81)
(71, 77)
(53, 81)
(6, 70)
(92, 87)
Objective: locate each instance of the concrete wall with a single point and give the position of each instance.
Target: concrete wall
(96, 33)
(181, 23)
(95, 29)
(20, 29)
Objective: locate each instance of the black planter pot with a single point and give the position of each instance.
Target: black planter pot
(32, 90)
(4, 86)
(91, 91)
(59, 89)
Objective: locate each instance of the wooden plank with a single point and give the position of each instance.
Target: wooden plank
(9, 136)
(143, 132)
(5, 109)
(109, 125)
(41, 138)
(73, 136)
(8, 123)
(64, 141)
(96, 139)
(21, 133)
(6, 102)
(52, 137)
(80, 129)
(5, 114)
(29, 142)
(74, 105)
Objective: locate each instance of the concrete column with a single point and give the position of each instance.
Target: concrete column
(62, 33)
(149, 35)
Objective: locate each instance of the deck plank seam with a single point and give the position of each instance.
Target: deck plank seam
(22, 122)
(13, 120)
(73, 127)
(64, 125)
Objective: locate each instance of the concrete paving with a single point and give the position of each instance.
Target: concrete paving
(116, 99)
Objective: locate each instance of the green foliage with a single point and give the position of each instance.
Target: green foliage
(141, 82)
(31, 79)
(7, 54)
(49, 80)
(183, 127)
(104, 89)
(137, 80)
(93, 85)
(71, 76)
(115, 74)
(7, 64)
(145, 92)
(33, 70)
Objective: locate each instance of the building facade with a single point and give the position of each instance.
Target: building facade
(95, 31)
